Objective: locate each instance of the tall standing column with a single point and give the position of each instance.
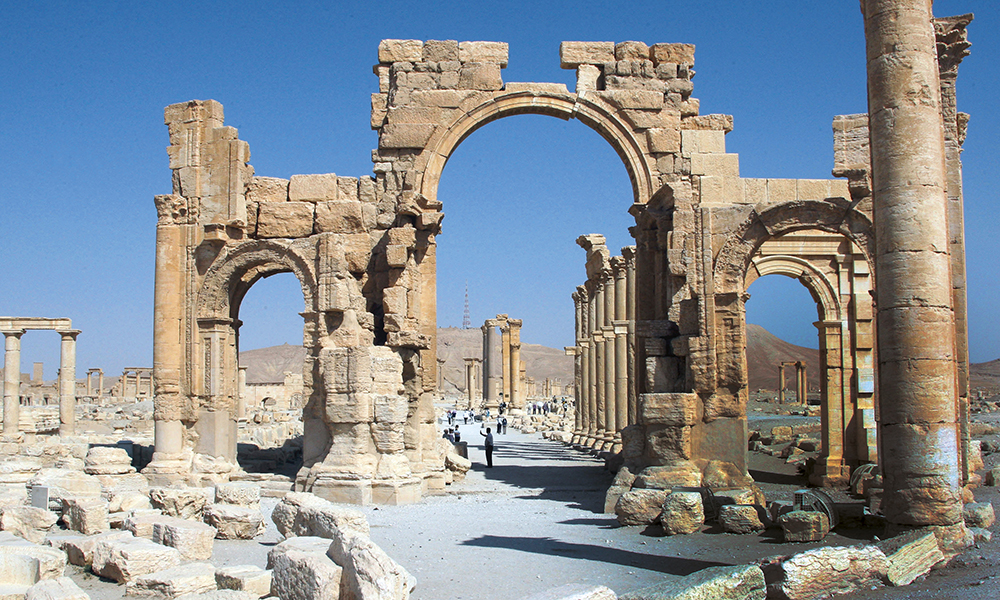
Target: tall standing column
(505, 369)
(100, 382)
(241, 394)
(610, 396)
(781, 383)
(633, 400)
(916, 323)
(490, 365)
(90, 383)
(12, 381)
(67, 382)
(577, 369)
(621, 352)
(592, 425)
(600, 374)
(516, 387)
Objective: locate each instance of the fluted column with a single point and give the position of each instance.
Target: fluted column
(67, 382)
(12, 381)
(915, 319)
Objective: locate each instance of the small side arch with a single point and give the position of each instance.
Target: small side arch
(819, 286)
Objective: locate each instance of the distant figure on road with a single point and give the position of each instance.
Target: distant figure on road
(503, 423)
(489, 447)
(458, 435)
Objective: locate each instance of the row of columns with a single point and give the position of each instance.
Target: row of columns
(12, 381)
(502, 368)
(604, 351)
(801, 383)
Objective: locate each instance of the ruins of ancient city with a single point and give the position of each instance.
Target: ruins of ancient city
(194, 478)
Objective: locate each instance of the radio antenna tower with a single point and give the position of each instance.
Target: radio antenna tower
(466, 319)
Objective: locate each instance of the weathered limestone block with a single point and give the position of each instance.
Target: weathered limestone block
(300, 544)
(679, 54)
(140, 522)
(124, 560)
(238, 493)
(640, 506)
(400, 50)
(682, 474)
(910, 555)
(191, 578)
(65, 483)
(245, 578)
(683, 512)
(978, 514)
(339, 217)
(298, 574)
(482, 52)
(742, 582)
(124, 502)
(826, 572)
(25, 562)
(87, 515)
(574, 54)
(80, 549)
(405, 135)
(458, 464)
(235, 522)
(740, 518)
(62, 588)
(993, 477)
(369, 573)
(181, 502)
(804, 526)
(104, 460)
(313, 187)
(267, 189)
(719, 474)
(28, 522)
(631, 51)
(285, 219)
(193, 540)
(575, 591)
(218, 595)
(622, 483)
(304, 514)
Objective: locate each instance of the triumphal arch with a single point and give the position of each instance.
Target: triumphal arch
(363, 250)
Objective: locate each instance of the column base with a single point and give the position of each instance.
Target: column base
(830, 472)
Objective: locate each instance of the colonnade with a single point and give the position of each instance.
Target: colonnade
(473, 381)
(605, 347)
(801, 383)
(13, 329)
(503, 370)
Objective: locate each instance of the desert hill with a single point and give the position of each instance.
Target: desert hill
(764, 352)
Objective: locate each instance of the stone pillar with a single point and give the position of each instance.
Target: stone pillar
(505, 369)
(592, 423)
(801, 387)
(621, 352)
(440, 377)
(100, 382)
(67, 382)
(830, 469)
(577, 371)
(600, 374)
(915, 318)
(781, 383)
(241, 394)
(628, 253)
(517, 395)
(490, 366)
(608, 330)
(90, 383)
(12, 381)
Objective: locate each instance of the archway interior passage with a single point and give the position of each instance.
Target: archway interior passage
(516, 194)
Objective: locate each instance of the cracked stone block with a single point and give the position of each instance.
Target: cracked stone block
(235, 522)
(62, 588)
(124, 560)
(245, 578)
(191, 578)
(193, 540)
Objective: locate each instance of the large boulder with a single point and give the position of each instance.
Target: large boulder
(804, 526)
(640, 506)
(28, 522)
(193, 540)
(825, 572)
(622, 483)
(910, 555)
(301, 513)
(191, 578)
(86, 515)
(978, 514)
(124, 560)
(682, 512)
(369, 573)
(740, 518)
(235, 522)
(742, 582)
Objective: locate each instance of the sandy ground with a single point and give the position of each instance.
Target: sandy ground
(534, 522)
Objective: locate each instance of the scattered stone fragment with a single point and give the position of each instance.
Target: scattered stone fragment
(300, 544)
(238, 493)
(740, 518)
(804, 526)
(61, 588)
(575, 591)
(369, 573)
(193, 540)
(457, 464)
(124, 560)
(742, 582)
(190, 578)
(49, 563)
(993, 477)
(980, 535)
(298, 574)
(825, 572)
(140, 523)
(622, 483)
(640, 506)
(301, 513)
(79, 549)
(104, 460)
(910, 555)
(181, 502)
(86, 515)
(235, 522)
(683, 512)
(28, 522)
(245, 578)
(218, 595)
(978, 514)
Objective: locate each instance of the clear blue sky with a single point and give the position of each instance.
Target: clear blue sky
(83, 86)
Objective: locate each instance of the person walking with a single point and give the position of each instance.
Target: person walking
(489, 447)
(504, 423)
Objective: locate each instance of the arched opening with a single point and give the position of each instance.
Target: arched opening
(271, 356)
(516, 196)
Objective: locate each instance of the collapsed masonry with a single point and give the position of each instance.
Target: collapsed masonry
(364, 253)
